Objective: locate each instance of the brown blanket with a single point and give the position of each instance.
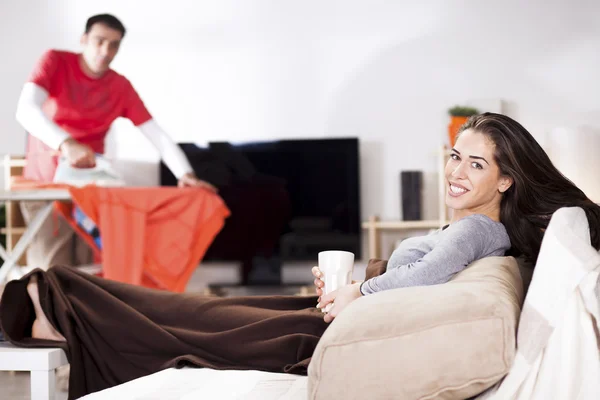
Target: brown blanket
(117, 332)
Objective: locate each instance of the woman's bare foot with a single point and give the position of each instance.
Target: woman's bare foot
(41, 328)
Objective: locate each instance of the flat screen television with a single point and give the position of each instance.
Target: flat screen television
(289, 199)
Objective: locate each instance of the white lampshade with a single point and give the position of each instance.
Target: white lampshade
(576, 153)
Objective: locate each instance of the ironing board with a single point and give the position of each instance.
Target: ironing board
(50, 195)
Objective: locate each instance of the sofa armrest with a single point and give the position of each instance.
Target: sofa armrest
(448, 341)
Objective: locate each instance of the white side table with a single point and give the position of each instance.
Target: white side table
(42, 364)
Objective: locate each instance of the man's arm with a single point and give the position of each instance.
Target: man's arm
(172, 155)
(135, 110)
(33, 96)
(31, 116)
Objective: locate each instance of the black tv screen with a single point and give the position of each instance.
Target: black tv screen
(288, 198)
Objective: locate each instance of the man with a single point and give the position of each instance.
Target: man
(67, 107)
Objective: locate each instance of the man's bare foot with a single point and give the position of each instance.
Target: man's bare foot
(41, 328)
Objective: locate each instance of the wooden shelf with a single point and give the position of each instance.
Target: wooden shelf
(16, 163)
(375, 227)
(15, 226)
(13, 231)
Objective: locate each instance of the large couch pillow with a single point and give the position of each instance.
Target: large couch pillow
(449, 341)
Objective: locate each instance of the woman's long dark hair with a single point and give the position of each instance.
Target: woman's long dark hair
(538, 188)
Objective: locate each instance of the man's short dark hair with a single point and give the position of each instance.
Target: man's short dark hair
(106, 19)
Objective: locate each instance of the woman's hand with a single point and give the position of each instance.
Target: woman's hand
(319, 282)
(340, 299)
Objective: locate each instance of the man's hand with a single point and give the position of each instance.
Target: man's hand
(340, 299)
(191, 180)
(77, 154)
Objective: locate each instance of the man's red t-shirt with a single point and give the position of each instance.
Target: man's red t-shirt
(82, 106)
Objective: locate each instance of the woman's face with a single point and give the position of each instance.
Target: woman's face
(474, 183)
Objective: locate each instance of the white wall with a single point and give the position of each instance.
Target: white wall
(384, 71)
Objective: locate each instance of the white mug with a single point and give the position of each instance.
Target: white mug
(336, 267)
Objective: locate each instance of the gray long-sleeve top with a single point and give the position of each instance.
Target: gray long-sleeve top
(437, 257)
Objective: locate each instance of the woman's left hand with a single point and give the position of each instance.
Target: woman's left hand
(340, 299)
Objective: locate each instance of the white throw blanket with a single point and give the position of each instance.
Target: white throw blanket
(204, 383)
(558, 340)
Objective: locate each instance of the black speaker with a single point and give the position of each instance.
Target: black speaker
(411, 187)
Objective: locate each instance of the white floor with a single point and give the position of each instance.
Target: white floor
(15, 386)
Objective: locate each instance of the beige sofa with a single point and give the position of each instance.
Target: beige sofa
(448, 341)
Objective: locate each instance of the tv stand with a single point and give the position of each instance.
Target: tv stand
(261, 271)
(261, 276)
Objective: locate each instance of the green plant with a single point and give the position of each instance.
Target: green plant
(462, 111)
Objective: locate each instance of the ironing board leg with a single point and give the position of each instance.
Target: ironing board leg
(10, 260)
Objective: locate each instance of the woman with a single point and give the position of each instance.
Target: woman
(496, 169)
(502, 188)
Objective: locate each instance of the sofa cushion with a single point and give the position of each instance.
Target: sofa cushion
(449, 341)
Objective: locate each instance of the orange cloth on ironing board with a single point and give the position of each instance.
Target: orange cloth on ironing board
(152, 236)
(61, 208)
